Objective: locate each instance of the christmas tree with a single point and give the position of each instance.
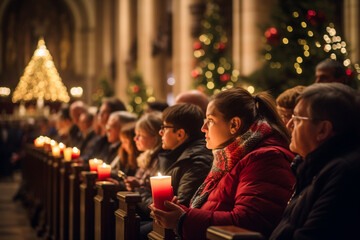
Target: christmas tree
(214, 70)
(138, 94)
(300, 35)
(41, 80)
(103, 90)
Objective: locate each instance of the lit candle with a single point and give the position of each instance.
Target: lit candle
(103, 171)
(68, 153)
(161, 190)
(94, 164)
(75, 152)
(39, 141)
(56, 151)
(62, 147)
(47, 143)
(53, 143)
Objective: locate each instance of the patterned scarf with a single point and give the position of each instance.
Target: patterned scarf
(226, 158)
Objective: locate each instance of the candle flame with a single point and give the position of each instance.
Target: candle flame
(52, 142)
(61, 145)
(75, 150)
(159, 174)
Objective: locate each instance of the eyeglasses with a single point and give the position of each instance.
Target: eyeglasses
(296, 119)
(163, 127)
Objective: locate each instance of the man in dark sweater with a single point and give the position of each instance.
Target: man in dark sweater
(325, 133)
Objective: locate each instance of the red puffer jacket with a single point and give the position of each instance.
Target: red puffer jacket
(252, 195)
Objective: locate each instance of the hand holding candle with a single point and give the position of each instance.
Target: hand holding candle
(104, 171)
(161, 190)
(93, 163)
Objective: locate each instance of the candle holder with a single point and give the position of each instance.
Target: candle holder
(161, 190)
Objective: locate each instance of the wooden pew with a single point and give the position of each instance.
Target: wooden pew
(127, 221)
(87, 194)
(57, 164)
(105, 204)
(160, 233)
(65, 172)
(49, 198)
(231, 233)
(74, 201)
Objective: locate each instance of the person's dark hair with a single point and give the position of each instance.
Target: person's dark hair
(65, 114)
(114, 104)
(89, 117)
(239, 102)
(335, 102)
(287, 99)
(129, 159)
(336, 67)
(157, 106)
(185, 116)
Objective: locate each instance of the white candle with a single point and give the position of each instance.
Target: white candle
(67, 153)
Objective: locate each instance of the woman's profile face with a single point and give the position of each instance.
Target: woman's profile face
(144, 141)
(216, 129)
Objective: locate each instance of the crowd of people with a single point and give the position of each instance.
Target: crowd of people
(286, 168)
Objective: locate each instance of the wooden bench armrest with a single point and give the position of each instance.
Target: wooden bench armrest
(231, 233)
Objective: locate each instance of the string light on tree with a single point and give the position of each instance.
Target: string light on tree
(213, 71)
(298, 37)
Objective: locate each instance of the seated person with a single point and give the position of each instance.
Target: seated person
(113, 127)
(250, 181)
(285, 102)
(128, 153)
(187, 160)
(88, 135)
(325, 132)
(148, 141)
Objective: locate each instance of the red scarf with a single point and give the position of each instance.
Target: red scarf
(226, 158)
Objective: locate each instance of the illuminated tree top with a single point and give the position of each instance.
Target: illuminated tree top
(41, 80)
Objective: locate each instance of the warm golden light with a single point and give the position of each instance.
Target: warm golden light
(41, 79)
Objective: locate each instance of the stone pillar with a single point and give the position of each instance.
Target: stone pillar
(351, 28)
(247, 38)
(182, 43)
(125, 37)
(149, 16)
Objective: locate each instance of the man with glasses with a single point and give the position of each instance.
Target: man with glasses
(325, 132)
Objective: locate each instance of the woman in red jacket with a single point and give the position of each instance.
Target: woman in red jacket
(250, 181)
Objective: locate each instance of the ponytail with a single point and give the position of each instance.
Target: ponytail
(265, 108)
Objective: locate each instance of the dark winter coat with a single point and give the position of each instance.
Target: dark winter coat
(188, 166)
(326, 204)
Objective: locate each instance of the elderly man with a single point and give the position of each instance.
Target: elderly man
(325, 132)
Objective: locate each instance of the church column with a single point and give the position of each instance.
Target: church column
(125, 36)
(351, 28)
(107, 37)
(149, 13)
(247, 38)
(183, 42)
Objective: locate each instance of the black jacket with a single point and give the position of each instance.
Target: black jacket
(326, 201)
(188, 166)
